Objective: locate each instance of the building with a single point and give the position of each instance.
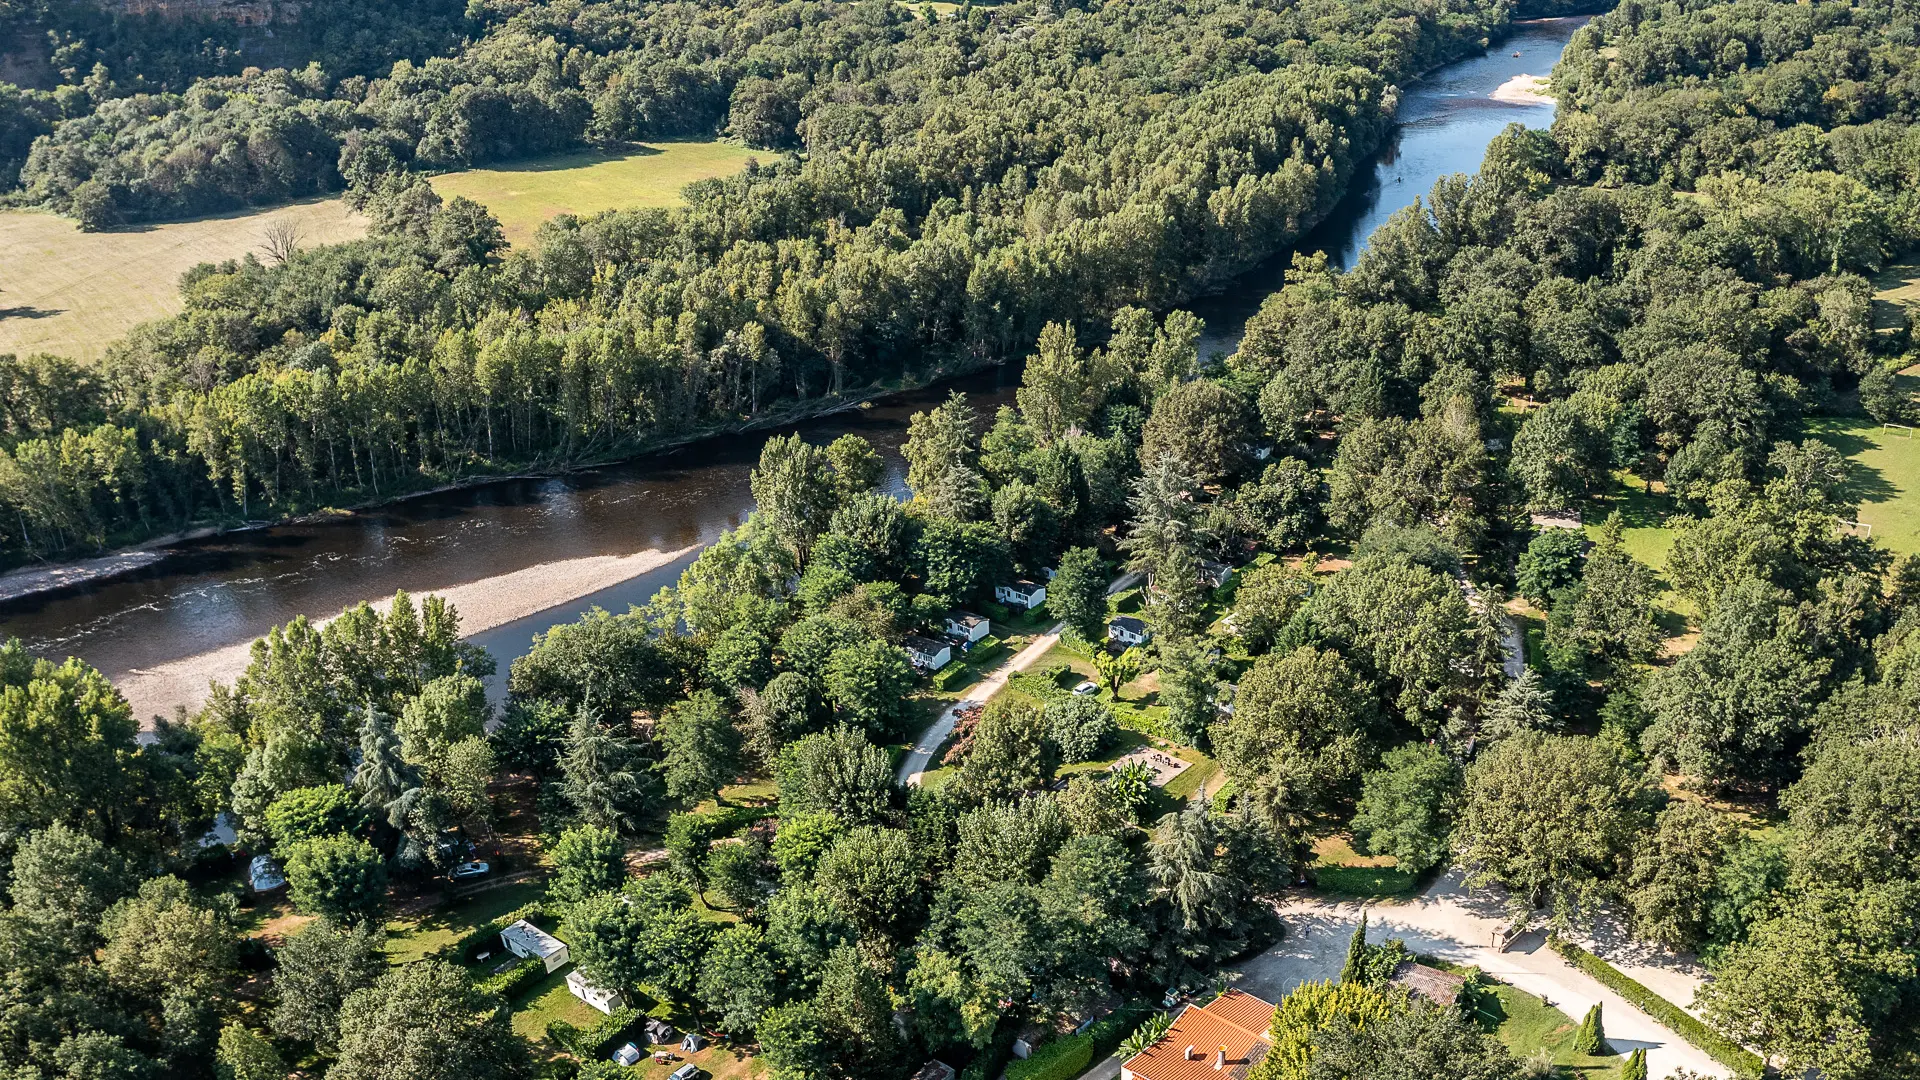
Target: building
(1439, 987)
(1022, 594)
(1214, 574)
(1129, 631)
(605, 1000)
(965, 624)
(927, 654)
(1220, 1040)
(522, 938)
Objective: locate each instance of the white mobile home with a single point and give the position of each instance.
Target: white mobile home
(525, 939)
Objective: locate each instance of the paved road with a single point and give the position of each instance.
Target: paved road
(914, 766)
(1454, 923)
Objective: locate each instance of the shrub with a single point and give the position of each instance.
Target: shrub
(514, 981)
(464, 950)
(950, 676)
(1715, 1045)
(1591, 1039)
(987, 1063)
(592, 1042)
(1062, 1059)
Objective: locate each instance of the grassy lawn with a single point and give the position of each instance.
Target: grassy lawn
(549, 999)
(412, 938)
(524, 194)
(1897, 286)
(1886, 475)
(73, 293)
(1343, 871)
(1531, 1028)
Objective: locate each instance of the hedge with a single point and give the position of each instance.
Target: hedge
(946, 677)
(1715, 1045)
(1064, 1059)
(590, 1043)
(1061, 1059)
(460, 951)
(514, 981)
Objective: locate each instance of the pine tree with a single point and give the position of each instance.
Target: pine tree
(1591, 1039)
(383, 777)
(1355, 968)
(598, 776)
(1524, 705)
(1636, 1066)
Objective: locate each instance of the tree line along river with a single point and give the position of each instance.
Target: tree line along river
(519, 556)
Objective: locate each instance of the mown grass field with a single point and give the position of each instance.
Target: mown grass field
(525, 194)
(72, 293)
(1896, 287)
(1886, 478)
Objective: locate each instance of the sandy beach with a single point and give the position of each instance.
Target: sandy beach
(483, 605)
(1523, 90)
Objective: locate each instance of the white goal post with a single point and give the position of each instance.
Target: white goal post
(1901, 427)
(1858, 528)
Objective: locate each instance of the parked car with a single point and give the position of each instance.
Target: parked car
(467, 871)
(689, 1071)
(1086, 687)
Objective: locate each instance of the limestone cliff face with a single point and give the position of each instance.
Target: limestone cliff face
(239, 12)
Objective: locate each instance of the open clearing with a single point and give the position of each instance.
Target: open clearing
(526, 193)
(72, 293)
(1886, 477)
(1896, 287)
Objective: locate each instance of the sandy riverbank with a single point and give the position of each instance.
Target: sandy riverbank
(1523, 90)
(482, 604)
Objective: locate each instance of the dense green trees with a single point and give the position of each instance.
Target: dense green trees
(426, 1020)
(1552, 818)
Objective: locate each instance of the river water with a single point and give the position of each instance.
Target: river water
(186, 615)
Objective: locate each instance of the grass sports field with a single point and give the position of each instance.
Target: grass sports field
(71, 293)
(525, 194)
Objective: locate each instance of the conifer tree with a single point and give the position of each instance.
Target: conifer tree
(1355, 968)
(1591, 1039)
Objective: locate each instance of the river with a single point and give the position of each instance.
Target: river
(519, 556)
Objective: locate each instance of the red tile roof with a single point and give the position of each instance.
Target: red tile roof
(1235, 1020)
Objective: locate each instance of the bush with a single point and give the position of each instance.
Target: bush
(950, 676)
(464, 950)
(514, 981)
(1715, 1045)
(1061, 1059)
(590, 1043)
(987, 1063)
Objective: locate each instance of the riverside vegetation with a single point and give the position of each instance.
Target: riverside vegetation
(1575, 309)
(954, 184)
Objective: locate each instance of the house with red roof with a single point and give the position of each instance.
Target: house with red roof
(1220, 1040)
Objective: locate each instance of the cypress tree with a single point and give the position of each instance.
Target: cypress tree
(1591, 1039)
(1356, 965)
(1636, 1066)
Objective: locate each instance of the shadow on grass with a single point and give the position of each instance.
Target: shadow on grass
(1852, 437)
(575, 159)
